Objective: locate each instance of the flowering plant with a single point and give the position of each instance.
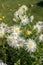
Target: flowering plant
(21, 44)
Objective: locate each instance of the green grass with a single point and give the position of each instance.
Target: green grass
(8, 7)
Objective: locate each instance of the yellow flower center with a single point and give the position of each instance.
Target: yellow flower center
(28, 32)
(3, 26)
(17, 30)
(18, 42)
(3, 17)
(31, 44)
(20, 11)
(1, 32)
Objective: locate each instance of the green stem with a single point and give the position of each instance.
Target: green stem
(4, 49)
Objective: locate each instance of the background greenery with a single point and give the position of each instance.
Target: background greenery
(11, 55)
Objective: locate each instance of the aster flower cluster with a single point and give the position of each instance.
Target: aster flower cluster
(21, 15)
(14, 38)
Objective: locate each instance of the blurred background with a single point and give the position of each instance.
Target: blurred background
(8, 7)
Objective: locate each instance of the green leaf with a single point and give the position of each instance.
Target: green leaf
(18, 62)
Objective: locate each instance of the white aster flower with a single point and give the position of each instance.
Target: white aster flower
(24, 7)
(40, 23)
(3, 26)
(1, 63)
(24, 20)
(31, 45)
(2, 33)
(16, 15)
(31, 18)
(39, 26)
(21, 42)
(41, 37)
(20, 12)
(16, 30)
(12, 40)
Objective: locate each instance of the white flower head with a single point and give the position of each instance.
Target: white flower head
(20, 13)
(31, 18)
(40, 23)
(22, 10)
(16, 15)
(16, 30)
(24, 20)
(16, 42)
(31, 45)
(21, 42)
(41, 38)
(24, 7)
(12, 40)
(1, 63)
(2, 33)
(39, 26)
(3, 26)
